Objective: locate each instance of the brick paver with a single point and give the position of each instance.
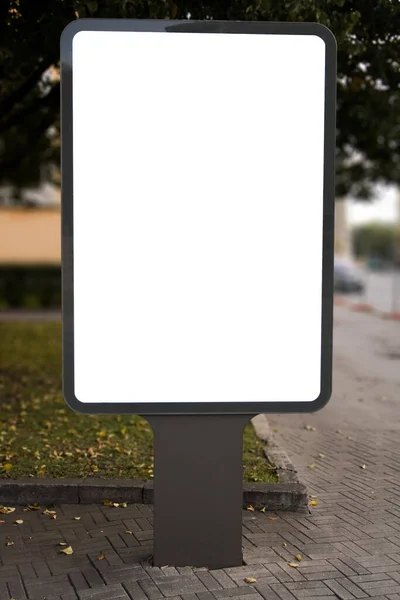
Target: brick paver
(349, 543)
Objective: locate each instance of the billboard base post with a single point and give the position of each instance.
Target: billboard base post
(198, 490)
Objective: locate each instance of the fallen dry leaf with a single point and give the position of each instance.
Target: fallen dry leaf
(250, 507)
(313, 503)
(6, 510)
(108, 503)
(67, 551)
(310, 428)
(363, 466)
(312, 466)
(263, 509)
(77, 518)
(298, 557)
(284, 544)
(273, 518)
(321, 455)
(124, 504)
(50, 513)
(115, 504)
(250, 580)
(129, 532)
(7, 467)
(276, 430)
(62, 543)
(10, 543)
(101, 556)
(19, 522)
(293, 564)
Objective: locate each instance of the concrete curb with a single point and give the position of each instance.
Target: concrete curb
(294, 495)
(22, 315)
(365, 308)
(394, 316)
(275, 454)
(271, 496)
(362, 307)
(289, 494)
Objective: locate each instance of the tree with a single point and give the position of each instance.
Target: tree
(368, 117)
(377, 240)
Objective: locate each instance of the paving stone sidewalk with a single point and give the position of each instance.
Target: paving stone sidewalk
(350, 543)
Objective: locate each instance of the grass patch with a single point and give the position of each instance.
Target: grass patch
(40, 436)
(255, 465)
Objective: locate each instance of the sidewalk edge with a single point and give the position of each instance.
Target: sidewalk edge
(46, 492)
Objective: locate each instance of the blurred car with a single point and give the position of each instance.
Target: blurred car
(348, 278)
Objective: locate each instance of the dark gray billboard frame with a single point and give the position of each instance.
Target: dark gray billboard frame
(198, 447)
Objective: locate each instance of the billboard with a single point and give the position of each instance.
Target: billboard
(198, 215)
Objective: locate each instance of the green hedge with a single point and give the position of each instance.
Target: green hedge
(30, 287)
(377, 241)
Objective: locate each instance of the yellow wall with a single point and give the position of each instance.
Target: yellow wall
(30, 235)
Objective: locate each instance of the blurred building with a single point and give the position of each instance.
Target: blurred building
(30, 233)
(343, 246)
(30, 225)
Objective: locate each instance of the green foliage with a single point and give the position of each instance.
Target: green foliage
(368, 117)
(30, 287)
(255, 466)
(377, 240)
(40, 436)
